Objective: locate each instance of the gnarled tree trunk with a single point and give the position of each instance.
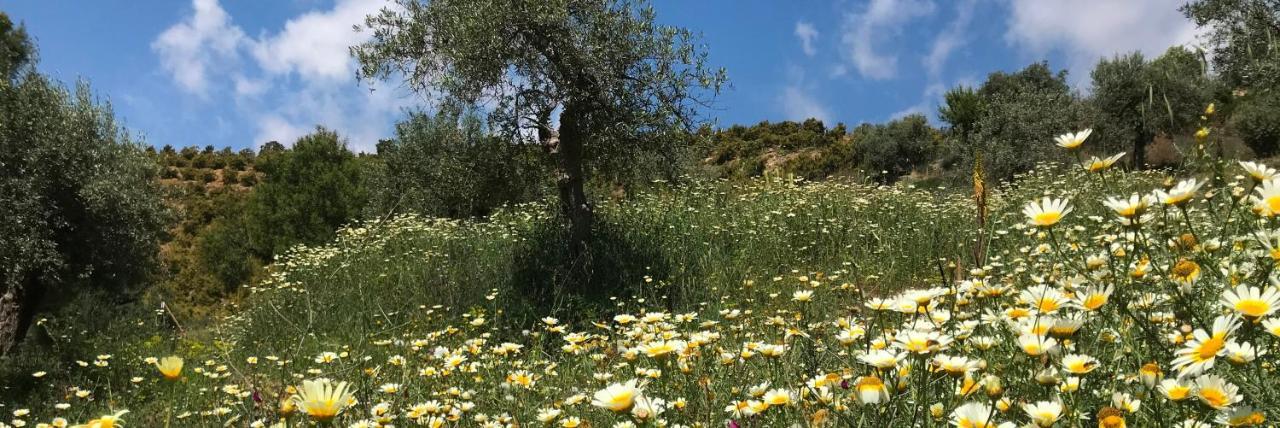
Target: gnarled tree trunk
(566, 147)
(17, 308)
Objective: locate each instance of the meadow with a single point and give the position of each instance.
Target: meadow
(1093, 297)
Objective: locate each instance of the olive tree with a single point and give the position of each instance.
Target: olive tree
(1142, 99)
(598, 83)
(81, 202)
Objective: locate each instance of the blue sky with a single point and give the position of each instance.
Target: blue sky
(241, 72)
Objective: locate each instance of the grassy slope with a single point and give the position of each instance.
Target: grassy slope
(714, 264)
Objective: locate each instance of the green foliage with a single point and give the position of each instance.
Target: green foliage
(1021, 113)
(448, 166)
(896, 148)
(1140, 99)
(16, 49)
(806, 149)
(80, 196)
(309, 191)
(1243, 39)
(1257, 119)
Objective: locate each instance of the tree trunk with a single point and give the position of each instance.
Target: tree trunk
(1140, 140)
(17, 308)
(573, 199)
(566, 147)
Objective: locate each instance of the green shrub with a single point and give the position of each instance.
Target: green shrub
(1257, 120)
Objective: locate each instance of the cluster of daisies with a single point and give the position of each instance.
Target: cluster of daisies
(1155, 308)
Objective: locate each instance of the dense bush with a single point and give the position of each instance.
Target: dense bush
(448, 166)
(80, 197)
(1257, 120)
(894, 149)
(309, 191)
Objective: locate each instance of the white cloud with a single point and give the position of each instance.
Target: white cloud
(951, 38)
(880, 21)
(1087, 30)
(807, 34)
(315, 44)
(797, 100)
(797, 104)
(247, 87)
(275, 128)
(304, 75)
(205, 40)
(928, 104)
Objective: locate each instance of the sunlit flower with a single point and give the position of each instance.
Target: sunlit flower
(1216, 392)
(1179, 194)
(1073, 141)
(921, 342)
(1079, 364)
(106, 421)
(618, 397)
(1175, 389)
(1035, 345)
(1111, 417)
(1201, 351)
(974, 415)
(1095, 164)
(1258, 172)
(1185, 271)
(871, 390)
(170, 367)
(1129, 208)
(1043, 413)
(882, 359)
(323, 399)
(1267, 202)
(1047, 212)
(1250, 302)
(1242, 416)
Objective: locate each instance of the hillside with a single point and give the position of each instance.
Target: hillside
(756, 303)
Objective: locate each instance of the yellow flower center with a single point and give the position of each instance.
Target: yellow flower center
(1048, 218)
(1048, 304)
(1210, 348)
(1253, 308)
(1214, 397)
(1186, 270)
(1273, 204)
(1178, 393)
(1095, 301)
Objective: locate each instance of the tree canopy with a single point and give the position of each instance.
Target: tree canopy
(602, 84)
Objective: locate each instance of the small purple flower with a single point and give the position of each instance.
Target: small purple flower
(844, 383)
(732, 424)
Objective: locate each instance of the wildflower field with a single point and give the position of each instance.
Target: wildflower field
(1092, 297)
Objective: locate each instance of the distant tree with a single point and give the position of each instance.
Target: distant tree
(898, 147)
(1122, 90)
(1244, 39)
(270, 147)
(16, 49)
(625, 87)
(962, 109)
(81, 200)
(446, 165)
(1143, 99)
(1257, 119)
(1021, 113)
(309, 191)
